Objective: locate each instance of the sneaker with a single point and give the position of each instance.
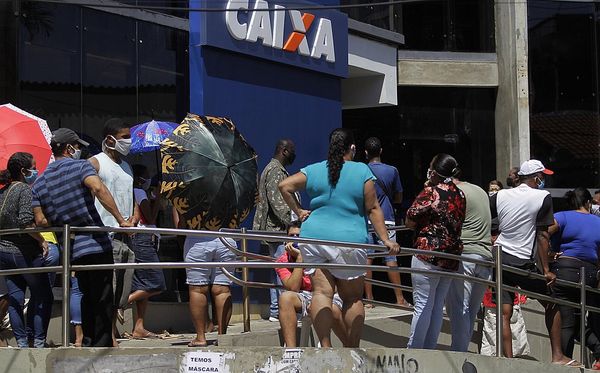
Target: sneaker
(273, 319)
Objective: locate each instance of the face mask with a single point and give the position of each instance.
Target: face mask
(76, 153)
(122, 146)
(291, 157)
(595, 209)
(492, 193)
(145, 183)
(509, 182)
(353, 150)
(33, 174)
(541, 184)
(429, 174)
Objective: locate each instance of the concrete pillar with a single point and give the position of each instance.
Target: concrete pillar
(512, 103)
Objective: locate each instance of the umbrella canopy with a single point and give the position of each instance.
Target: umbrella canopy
(209, 172)
(23, 132)
(146, 137)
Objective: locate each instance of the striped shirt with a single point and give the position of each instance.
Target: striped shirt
(63, 197)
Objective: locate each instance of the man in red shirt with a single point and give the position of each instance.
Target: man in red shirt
(298, 295)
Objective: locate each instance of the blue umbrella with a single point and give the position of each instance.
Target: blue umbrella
(146, 137)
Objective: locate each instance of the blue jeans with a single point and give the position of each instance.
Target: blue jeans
(429, 294)
(463, 301)
(41, 304)
(51, 260)
(75, 304)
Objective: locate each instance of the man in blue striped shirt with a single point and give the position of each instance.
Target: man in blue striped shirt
(64, 194)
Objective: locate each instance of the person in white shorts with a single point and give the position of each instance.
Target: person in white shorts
(296, 300)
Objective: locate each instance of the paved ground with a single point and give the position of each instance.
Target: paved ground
(181, 340)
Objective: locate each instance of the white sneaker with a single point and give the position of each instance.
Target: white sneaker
(273, 319)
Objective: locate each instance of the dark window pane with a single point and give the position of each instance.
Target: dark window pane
(49, 63)
(109, 70)
(163, 66)
(7, 44)
(427, 121)
(563, 65)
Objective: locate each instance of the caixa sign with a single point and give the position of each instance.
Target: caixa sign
(278, 30)
(272, 33)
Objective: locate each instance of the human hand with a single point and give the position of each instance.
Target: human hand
(303, 214)
(293, 251)
(550, 278)
(126, 223)
(553, 256)
(44, 247)
(394, 247)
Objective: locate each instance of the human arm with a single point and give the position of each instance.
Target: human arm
(373, 210)
(274, 197)
(292, 281)
(545, 219)
(99, 190)
(94, 162)
(288, 187)
(420, 208)
(25, 216)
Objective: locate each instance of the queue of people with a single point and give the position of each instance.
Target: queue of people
(347, 198)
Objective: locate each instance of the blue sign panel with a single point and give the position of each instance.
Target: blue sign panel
(277, 30)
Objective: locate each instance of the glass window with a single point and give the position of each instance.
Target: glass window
(451, 25)
(49, 60)
(564, 114)
(427, 121)
(7, 62)
(109, 70)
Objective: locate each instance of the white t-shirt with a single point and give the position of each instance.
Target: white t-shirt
(520, 212)
(141, 195)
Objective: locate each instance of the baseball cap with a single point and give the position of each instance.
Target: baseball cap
(67, 136)
(533, 166)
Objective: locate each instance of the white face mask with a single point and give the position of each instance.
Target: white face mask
(76, 154)
(122, 146)
(492, 193)
(595, 209)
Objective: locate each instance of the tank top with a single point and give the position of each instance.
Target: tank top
(118, 178)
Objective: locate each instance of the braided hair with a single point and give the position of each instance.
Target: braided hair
(340, 142)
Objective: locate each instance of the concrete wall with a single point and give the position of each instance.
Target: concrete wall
(259, 359)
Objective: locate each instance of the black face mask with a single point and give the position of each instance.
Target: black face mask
(509, 182)
(291, 157)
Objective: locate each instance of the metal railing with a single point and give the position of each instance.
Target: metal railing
(257, 261)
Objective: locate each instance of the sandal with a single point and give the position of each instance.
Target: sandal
(148, 335)
(571, 364)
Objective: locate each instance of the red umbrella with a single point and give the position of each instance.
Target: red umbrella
(21, 133)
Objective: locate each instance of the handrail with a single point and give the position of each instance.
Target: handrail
(267, 263)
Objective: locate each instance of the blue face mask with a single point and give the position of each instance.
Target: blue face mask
(541, 184)
(33, 174)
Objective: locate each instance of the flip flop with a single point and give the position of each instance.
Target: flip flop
(369, 305)
(406, 304)
(148, 335)
(197, 344)
(571, 364)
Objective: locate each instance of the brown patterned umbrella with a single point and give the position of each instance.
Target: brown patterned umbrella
(209, 172)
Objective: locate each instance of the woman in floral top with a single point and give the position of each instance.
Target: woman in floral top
(437, 215)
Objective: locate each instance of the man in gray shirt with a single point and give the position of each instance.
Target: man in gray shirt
(464, 297)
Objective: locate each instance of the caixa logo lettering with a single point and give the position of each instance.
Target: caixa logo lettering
(272, 32)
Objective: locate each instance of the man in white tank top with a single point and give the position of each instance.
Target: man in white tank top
(117, 175)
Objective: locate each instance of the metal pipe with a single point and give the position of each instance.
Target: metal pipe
(66, 280)
(245, 296)
(582, 316)
(498, 254)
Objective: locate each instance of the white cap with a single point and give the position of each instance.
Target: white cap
(533, 166)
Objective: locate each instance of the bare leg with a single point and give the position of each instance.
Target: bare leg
(353, 311)
(507, 310)
(395, 279)
(339, 328)
(289, 306)
(140, 297)
(221, 296)
(115, 331)
(368, 286)
(78, 335)
(198, 310)
(553, 324)
(321, 314)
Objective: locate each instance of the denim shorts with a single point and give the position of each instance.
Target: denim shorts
(334, 254)
(200, 249)
(373, 239)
